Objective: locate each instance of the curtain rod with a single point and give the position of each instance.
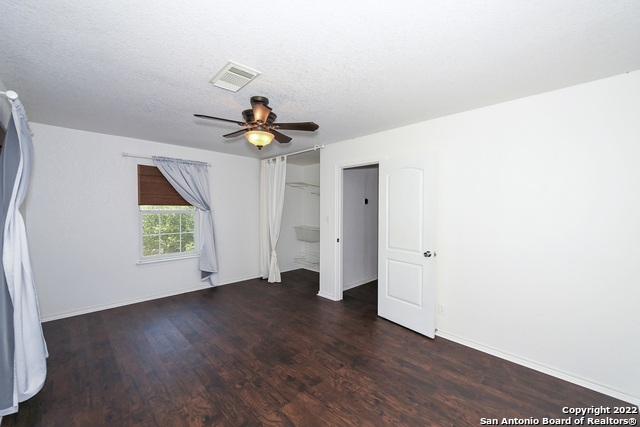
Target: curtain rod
(10, 94)
(13, 96)
(315, 148)
(144, 157)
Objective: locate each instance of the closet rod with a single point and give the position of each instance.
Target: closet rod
(315, 148)
(144, 157)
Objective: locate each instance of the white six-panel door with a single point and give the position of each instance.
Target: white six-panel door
(406, 291)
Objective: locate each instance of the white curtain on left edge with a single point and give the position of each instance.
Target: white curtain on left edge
(273, 175)
(23, 351)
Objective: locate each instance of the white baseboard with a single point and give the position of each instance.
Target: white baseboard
(327, 296)
(93, 309)
(297, 267)
(595, 386)
(232, 281)
(356, 284)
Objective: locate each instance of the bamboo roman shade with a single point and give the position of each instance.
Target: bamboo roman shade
(154, 189)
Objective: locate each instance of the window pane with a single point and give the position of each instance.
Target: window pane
(150, 224)
(168, 233)
(170, 243)
(187, 222)
(170, 223)
(150, 245)
(187, 242)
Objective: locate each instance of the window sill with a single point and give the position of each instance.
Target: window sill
(163, 260)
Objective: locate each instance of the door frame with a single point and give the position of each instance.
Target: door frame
(339, 171)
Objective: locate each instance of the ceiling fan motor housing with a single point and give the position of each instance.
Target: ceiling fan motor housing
(249, 117)
(259, 100)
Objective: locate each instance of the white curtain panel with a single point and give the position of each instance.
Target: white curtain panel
(265, 244)
(191, 180)
(273, 182)
(24, 376)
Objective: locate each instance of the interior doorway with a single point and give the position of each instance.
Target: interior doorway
(359, 226)
(404, 241)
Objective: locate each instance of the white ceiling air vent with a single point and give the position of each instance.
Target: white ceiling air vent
(233, 77)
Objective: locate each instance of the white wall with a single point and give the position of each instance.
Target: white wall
(83, 226)
(538, 231)
(370, 221)
(359, 226)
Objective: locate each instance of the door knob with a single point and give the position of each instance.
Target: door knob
(427, 254)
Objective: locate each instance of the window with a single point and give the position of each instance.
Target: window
(168, 231)
(168, 223)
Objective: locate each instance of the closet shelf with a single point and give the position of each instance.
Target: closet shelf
(309, 259)
(301, 184)
(306, 233)
(304, 185)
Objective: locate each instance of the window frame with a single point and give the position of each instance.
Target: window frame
(174, 255)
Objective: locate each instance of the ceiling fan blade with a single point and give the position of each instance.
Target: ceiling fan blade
(218, 118)
(280, 137)
(261, 112)
(234, 134)
(308, 126)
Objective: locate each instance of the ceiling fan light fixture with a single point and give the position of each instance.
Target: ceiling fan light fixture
(259, 138)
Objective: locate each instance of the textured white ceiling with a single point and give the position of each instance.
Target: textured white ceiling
(141, 68)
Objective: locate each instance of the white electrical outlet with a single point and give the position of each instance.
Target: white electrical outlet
(441, 309)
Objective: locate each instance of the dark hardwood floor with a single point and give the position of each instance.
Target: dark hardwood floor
(260, 354)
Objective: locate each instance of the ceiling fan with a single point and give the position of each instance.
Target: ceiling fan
(259, 123)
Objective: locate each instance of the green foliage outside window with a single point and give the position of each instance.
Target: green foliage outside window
(165, 232)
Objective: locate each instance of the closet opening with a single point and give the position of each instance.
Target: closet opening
(299, 240)
(359, 227)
